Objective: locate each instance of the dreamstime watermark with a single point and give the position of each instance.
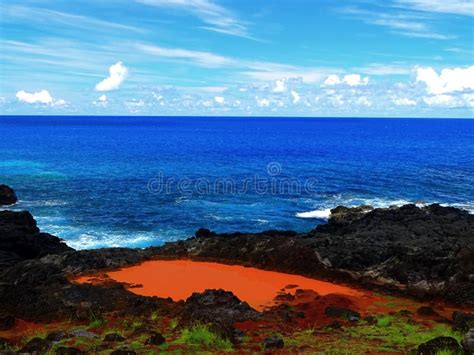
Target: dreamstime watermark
(272, 183)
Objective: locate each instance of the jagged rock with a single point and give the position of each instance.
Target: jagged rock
(7, 196)
(425, 251)
(36, 346)
(56, 336)
(155, 339)
(433, 346)
(468, 342)
(83, 333)
(21, 239)
(346, 215)
(219, 308)
(203, 233)
(113, 337)
(273, 342)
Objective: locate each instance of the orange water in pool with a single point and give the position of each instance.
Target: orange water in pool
(178, 279)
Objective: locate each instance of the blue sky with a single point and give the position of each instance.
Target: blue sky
(391, 58)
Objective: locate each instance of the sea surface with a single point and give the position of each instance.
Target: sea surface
(139, 181)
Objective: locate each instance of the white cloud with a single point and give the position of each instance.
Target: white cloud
(448, 81)
(279, 86)
(206, 59)
(218, 18)
(296, 97)
(332, 80)
(350, 79)
(103, 98)
(262, 102)
(117, 74)
(40, 97)
(442, 101)
(403, 101)
(469, 99)
(219, 99)
(364, 101)
(458, 7)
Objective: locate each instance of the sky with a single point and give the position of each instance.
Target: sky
(321, 58)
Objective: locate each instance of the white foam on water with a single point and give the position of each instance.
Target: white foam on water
(319, 214)
(106, 240)
(324, 213)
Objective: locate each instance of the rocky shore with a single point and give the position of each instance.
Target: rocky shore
(426, 253)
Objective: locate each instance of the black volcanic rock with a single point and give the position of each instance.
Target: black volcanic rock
(21, 239)
(425, 252)
(7, 196)
(219, 308)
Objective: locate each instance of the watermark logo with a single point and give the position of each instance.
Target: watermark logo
(271, 183)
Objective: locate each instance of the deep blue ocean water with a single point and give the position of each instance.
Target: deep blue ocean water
(105, 181)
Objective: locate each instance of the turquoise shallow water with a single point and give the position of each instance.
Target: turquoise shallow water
(106, 181)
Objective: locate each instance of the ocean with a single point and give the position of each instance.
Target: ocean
(140, 181)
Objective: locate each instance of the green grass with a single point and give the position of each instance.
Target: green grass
(446, 352)
(173, 323)
(202, 337)
(384, 321)
(392, 333)
(154, 316)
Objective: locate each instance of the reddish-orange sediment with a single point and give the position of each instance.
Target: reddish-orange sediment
(178, 279)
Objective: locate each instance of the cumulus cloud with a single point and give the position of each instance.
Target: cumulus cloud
(117, 74)
(279, 86)
(262, 102)
(350, 79)
(448, 81)
(102, 101)
(296, 97)
(40, 97)
(219, 99)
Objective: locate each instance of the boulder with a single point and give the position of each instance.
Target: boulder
(155, 339)
(345, 313)
(7, 196)
(20, 239)
(219, 308)
(113, 337)
(434, 346)
(468, 342)
(346, 215)
(273, 342)
(36, 346)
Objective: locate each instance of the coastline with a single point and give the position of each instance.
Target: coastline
(404, 253)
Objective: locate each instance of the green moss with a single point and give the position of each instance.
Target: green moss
(174, 323)
(202, 337)
(154, 316)
(384, 321)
